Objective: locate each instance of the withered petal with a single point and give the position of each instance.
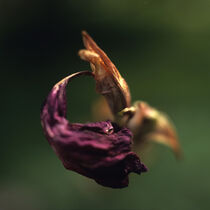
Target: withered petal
(101, 150)
(149, 124)
(109, 82)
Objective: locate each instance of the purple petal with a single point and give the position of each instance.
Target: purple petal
(101, 150)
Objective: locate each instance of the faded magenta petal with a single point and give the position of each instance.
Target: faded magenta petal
(101, 150)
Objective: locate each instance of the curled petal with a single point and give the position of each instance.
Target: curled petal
(109, 82)
(101, 150)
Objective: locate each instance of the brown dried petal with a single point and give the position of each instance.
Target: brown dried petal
(109, 82)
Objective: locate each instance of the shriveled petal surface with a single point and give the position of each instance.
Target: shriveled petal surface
(101, 150)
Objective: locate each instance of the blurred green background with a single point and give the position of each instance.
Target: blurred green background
(161, 48)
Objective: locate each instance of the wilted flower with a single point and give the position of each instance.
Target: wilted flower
(101, 150)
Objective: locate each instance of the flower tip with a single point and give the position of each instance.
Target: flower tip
(84, 33)
(86, 36)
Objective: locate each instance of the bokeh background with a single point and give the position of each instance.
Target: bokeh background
(161, 48)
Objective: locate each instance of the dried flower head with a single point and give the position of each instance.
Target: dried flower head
(102, 150)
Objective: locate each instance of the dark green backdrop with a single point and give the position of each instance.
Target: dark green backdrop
(161, 48)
